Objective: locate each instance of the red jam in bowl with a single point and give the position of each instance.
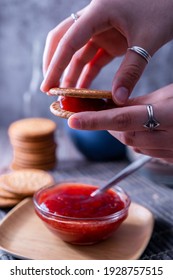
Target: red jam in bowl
(69, 211)
(74, 104)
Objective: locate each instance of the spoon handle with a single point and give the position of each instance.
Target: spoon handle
(123, 174)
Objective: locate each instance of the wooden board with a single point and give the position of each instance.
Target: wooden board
(23, 234)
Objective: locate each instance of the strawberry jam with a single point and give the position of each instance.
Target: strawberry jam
(74, 104)
(76, 217)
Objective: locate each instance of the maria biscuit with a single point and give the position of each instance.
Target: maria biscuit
(32, 128)
(81, 93)
(57, 111)
(34, 144)
(26, 182)
(72, 100)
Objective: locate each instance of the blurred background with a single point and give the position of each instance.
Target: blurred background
(23, 29)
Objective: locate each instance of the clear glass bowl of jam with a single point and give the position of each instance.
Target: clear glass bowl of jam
(69, 211)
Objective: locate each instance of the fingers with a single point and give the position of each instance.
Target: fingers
(79, 60)
(126, 125)
(126, 119)
(63, 47)
(157, 144)
(145, 140)
(120, 119)
(87, 62)
(70, 43)
(53, 40)
(163, 96)
(85, 66)
(127, 76)
(93, 68)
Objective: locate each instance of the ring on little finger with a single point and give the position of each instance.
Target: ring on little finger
(151, 123)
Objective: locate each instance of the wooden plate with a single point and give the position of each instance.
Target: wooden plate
(23, 234)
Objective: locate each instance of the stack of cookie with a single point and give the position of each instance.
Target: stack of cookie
(16, 185)
(33, 142)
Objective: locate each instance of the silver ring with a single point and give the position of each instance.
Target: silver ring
(75, 16)
(141, 52)
(151, 123)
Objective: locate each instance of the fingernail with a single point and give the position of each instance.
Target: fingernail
(74, 123)
(121, 95)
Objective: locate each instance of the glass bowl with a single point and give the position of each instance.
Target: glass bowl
(69, 211)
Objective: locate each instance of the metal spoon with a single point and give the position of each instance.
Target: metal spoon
(122, 174)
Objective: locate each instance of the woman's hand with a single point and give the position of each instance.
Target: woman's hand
(126, 123)
(104, 31)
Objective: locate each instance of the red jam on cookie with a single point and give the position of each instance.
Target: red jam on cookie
(70, 212)
(74, 104)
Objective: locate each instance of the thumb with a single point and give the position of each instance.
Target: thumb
(127, 76)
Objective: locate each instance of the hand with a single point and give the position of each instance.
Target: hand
(126, 123)
(101, 34)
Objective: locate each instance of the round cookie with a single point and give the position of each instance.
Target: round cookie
(26, 182)
(32, 128)
(56, 109)
(80, 92)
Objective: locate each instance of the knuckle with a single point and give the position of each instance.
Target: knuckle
(93, 124)
(88, 123)
(123, 121)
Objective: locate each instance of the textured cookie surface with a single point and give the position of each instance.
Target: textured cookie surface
(82, 93)
(57, 111)
(31, 127)
(26, 182)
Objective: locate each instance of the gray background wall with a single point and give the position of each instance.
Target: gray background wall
(23, 28)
